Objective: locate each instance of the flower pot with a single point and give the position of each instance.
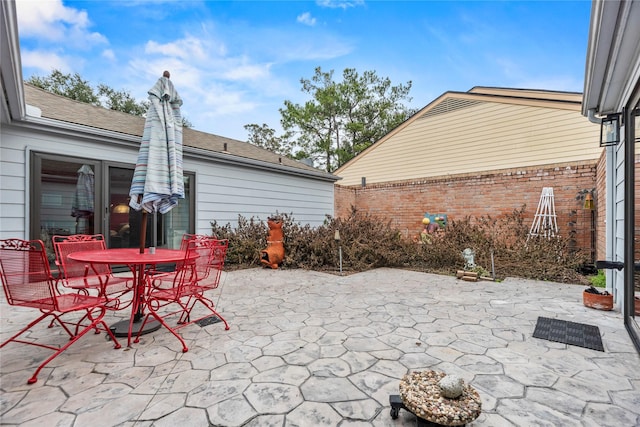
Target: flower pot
(598, 301)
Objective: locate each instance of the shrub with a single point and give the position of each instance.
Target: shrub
(369, 242)
(599, 280)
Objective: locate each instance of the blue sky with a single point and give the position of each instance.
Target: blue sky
(235, 63)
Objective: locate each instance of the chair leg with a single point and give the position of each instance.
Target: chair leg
(163, 323)
(94, 322)
(93, 325)
(193, 299)
(29, 326)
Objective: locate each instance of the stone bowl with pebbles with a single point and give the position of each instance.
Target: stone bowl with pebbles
(421, 394)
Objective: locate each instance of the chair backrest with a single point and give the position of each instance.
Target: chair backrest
(202, 245)
(187, 237)
(217, 261)
(25, 273)
(65, 245)
(212, 253)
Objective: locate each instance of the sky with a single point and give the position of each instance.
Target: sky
(236, 62)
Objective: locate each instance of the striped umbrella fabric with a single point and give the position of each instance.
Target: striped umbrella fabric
(83, 205)
(83, 200)
(157, 182)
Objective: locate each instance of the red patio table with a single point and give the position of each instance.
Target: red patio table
(137, 262)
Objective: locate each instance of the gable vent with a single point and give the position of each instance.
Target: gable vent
(449, 105)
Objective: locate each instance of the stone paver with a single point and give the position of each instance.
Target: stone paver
(312, 349)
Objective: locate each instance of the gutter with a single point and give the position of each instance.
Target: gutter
(591, 115)
(11, 70)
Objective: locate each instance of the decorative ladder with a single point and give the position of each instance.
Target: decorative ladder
(544, 222)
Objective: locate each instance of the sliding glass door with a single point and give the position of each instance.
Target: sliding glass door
(124, 224)
(64, 198)
(631, 309)
(87, 196)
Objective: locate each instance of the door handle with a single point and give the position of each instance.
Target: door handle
(614, 265)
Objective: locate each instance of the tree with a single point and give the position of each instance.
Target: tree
(76, 88)
(265, 137)
(120, 100)
(67, 85)
(344, 118)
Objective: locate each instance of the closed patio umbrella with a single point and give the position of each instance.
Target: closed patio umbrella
(83, 201)
(157, 182)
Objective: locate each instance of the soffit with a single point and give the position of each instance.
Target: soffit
(613, 56)
(11, 95)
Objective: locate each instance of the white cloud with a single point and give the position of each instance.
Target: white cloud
(51, 20)
(306, 19)
(247, 72)
(47, 61)
(225, 82)
(188, 48)
(109, 54)
(340, 4)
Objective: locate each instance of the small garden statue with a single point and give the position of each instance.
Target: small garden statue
(468, 255)
(273, 255)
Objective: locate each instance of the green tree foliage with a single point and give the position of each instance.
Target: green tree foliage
(344, 118)
(120, 100)
(76, 88)
(67, 85)
(265, 137)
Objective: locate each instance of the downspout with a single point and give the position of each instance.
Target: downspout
(591, 115)
(613, 278)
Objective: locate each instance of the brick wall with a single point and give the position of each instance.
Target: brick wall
(491, 193)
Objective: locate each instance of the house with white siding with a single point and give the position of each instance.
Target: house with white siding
(612, 95)
(46, 139)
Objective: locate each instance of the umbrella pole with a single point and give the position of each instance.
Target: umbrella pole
(143, 231)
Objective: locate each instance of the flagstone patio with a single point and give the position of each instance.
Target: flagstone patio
(312, 349)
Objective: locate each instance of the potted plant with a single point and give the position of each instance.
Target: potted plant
(594, 297)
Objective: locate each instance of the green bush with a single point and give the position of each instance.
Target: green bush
(600, 280)
(369, 242)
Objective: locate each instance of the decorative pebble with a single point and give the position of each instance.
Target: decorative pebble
(421, 394)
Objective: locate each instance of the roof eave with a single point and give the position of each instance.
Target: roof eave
(12, 92)
(133, 141)
(613, 56)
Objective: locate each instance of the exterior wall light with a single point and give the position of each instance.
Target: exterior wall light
(588, 202)
(610, 130)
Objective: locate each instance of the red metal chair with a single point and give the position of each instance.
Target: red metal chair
(186, 286)
(83, 277)
(184, 243)
(27, 282)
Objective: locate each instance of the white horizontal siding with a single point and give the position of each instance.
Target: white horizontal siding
(226, 191)
(486, 136)
(222, 191)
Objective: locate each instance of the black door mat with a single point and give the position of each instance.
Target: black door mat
(207, 321)
(566, 332)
